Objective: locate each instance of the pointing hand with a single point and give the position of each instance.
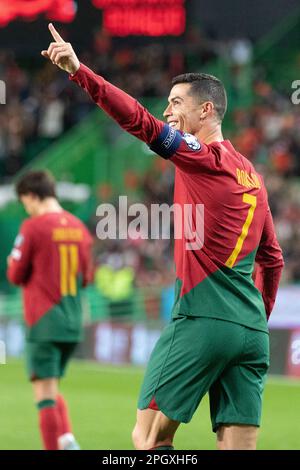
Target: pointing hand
(61, 53)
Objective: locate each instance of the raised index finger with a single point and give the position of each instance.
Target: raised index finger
(55, 34)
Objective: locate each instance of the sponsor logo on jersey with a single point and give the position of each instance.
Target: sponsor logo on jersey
(192, 142)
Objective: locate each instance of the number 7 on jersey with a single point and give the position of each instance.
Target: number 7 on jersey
(248, 199)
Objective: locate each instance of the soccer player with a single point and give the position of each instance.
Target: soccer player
(51, 260)
(217, 341)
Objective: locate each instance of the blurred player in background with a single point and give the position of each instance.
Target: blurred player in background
(217, 341)
(51, 261)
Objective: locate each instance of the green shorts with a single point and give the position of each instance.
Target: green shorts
(48, 359)
(198, 355)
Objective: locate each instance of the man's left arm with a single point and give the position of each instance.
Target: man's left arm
(270, 264)
(87, 259)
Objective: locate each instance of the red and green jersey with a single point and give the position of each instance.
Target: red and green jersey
(214, 279)
(51, 260)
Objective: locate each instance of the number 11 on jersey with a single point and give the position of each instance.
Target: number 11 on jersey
(68, 258)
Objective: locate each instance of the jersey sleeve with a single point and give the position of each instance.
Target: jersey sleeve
(19, 267)
(124, 109)
(270, 264)
(182, 149)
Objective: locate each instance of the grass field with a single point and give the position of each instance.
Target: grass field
(103, 401)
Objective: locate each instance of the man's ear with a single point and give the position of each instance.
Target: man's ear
(207, 109)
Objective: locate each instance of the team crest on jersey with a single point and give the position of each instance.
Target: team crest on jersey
(192, 141)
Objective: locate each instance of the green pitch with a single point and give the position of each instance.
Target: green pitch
(102, 404)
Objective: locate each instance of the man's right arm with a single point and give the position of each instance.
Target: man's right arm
(128, 112)
(124, 109)
(20, 259)
(270, 264)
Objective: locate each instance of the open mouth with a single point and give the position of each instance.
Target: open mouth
(172, 123)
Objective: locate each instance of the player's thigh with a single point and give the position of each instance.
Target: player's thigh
(153, 429)
(66, 351)
(236, 397)
(43, 360)
(189, 356)
(237, 437)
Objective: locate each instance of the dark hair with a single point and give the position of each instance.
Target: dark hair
(39, 183)
(207, 88)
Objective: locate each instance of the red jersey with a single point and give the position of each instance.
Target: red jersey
(51, 260)
(214, 279)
